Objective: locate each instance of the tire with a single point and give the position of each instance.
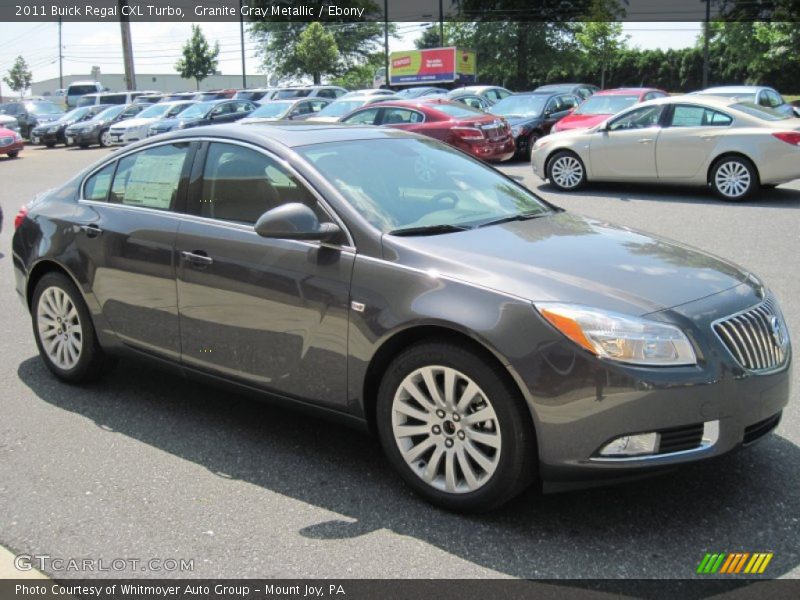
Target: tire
(565, 171)
(734, 178)
(105, 138)
(432, 444)
(50, 144)
(532, 139)
(83, 145)
(73, 355)
(13, 154)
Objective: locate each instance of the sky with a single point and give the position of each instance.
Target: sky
(157, 45)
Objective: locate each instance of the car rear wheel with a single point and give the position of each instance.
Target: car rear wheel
(455, 427)
(50, 144)
(734, 178)
(105, 139)
(64, 331)
(532, 139)
(566, 171)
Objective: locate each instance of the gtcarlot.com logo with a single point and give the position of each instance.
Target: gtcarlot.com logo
(734, 563)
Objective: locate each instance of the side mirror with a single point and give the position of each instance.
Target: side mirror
(294, 221)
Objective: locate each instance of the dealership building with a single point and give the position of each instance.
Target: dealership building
(162, 82)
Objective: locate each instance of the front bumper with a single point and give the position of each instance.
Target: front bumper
(120, 137)
(12, 147)
(581, 403)
(44, 137)
(83, 137)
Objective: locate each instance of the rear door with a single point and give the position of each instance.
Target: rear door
(269, 313)
(128, 224)
(689, 136)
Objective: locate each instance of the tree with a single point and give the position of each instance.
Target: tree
(317, 52)
(199, 59)
(20, 76)
(279, 37)
(600, 37)
(360, 76)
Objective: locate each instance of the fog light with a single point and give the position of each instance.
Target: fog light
(631, 445)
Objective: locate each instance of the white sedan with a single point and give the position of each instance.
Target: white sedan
(734, 147)
(133, 130)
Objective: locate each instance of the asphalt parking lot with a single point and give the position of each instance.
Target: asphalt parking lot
(144, 465)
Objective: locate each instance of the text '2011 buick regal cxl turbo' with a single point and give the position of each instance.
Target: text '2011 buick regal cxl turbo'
(490, 339)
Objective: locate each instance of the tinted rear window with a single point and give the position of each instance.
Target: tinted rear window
(80, 90)
(760, 112)
(457, 111)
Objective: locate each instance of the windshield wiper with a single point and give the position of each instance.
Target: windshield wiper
(429, 230)
(517, 217)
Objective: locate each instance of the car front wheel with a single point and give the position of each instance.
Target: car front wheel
(455, 427)
(105, 139)
(734, 178)
(64, 331)
(566, 171)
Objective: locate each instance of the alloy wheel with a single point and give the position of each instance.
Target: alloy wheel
(446, 429)
(567, 171)
(732, 179)
(105, 138)
(59, 328)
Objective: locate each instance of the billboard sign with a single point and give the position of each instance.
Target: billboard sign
(433, 65)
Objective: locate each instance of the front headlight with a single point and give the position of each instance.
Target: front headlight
(52, 129)
(619, 337)
(516, 130)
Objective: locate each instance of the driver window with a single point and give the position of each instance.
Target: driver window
(241, 184)
(640, 118)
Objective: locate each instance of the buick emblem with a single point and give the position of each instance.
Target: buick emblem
(778, 332)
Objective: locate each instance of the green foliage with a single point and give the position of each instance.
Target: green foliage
(317, 52)
(360, 76)
(278, 39)
(199, 59)
(19, 77)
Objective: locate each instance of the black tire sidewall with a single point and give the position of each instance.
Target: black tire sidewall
(554, 158)
(516, 468)
(751, 168)
(91, 354)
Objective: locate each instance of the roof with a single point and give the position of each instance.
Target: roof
(630, 90)
(293, 133)
(743, 89)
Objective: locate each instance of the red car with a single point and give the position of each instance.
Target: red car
(606, 103)
(484, 136)
(10, 142)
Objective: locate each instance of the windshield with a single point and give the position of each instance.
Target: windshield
(281, 94)
(43, 108)
(414, 183)
(340, 107)
(154, 111)
(109, 113)
(272, 109)
(75, 114)
(197, 111)
(742, 94)
(519, 106)
(606, 105)
(760, 112)
(249, 95)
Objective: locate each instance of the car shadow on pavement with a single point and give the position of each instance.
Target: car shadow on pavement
(660, 527)
(779, 197)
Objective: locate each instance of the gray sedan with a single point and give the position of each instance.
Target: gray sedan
(390, 281)
(734, 147)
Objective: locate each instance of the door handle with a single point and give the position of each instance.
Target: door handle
(197, 258)
(645, 140)
(708, 137)
(91, 230)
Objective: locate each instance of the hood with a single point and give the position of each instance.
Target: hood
(513, 121)
(323, 119)
(46, 118)
(574, 121)
(164, 124)
(567, 258)
(260, 119)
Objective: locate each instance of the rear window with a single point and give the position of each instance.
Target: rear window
(458, 111)
(113, 99)
(80, 90)
(760, 112)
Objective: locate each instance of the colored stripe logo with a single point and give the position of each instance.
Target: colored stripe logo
(734, 563)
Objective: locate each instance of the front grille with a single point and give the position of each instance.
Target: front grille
(677, 439)
(758, 430)
(757, 338)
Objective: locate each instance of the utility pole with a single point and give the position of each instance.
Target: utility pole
(241, 37)
(386, 42)
(706, 34)
(60, 58)
(441, 24)
(127, 49)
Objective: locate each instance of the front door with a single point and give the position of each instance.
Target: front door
(269, 313)
(627, 149)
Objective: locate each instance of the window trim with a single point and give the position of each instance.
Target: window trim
(411, 110)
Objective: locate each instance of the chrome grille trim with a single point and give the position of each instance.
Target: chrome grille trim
(749, 337)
